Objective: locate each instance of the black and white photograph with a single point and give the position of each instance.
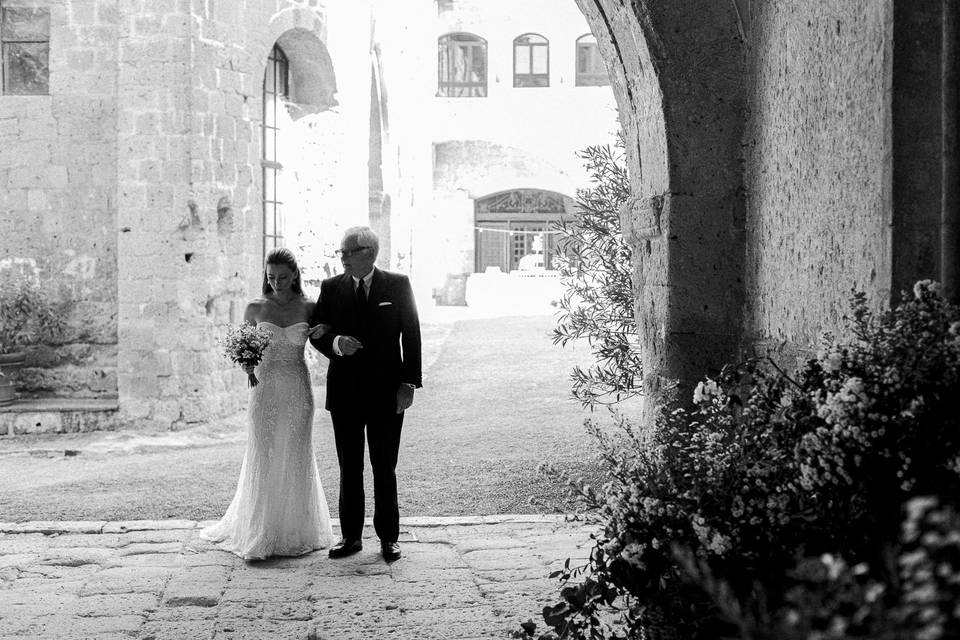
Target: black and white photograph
(479, 319)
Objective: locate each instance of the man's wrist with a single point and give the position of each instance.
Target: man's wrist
(408, 385)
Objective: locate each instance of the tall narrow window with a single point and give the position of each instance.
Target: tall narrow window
(276, 86)
(25, 50)
(531, 61)
(591, 71)
(462, 66)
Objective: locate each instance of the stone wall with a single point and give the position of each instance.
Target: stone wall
(759, 143)
(58, 177)
(817, 173)
(191, 219)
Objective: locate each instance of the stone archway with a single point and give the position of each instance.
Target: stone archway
(682, 111)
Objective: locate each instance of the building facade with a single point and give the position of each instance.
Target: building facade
(153, 152)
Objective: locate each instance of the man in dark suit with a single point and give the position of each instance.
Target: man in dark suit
(373, 343)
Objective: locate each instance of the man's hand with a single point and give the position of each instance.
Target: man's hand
(404, 397)
(349, 345)
(317, 330)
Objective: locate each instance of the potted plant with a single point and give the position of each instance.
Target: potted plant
(28, 316)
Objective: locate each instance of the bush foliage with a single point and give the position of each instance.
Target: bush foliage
(815, 504)
(595, 267)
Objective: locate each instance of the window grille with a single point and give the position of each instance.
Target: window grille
(462, 66)
(531, 61)
(25, 51)
(591, 72)
(276, 86)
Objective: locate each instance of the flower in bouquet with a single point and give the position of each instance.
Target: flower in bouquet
(245, 344)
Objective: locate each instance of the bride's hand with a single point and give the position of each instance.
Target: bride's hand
(248, 369)
(318, 330)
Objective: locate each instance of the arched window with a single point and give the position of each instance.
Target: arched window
(591, 71)
(276, 87)
(531, 61)
(462, 66)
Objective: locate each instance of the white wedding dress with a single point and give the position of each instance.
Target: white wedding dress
(279, 508)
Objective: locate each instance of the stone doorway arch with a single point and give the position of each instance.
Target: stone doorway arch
(682, 111)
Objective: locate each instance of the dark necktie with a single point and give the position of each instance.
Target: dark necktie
(361, 295)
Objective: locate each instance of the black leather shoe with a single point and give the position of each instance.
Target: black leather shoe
(345, 548)
(391, 551)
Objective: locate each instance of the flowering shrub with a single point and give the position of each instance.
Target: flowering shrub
(774, 508)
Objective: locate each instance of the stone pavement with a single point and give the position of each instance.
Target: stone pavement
(465, 578)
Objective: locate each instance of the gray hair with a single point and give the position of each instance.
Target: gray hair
(365, 237)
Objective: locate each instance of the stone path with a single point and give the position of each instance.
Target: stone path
(465, 578)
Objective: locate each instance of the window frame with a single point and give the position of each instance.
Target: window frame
(5, 43)
(277, 69)
(589, 78)
(535, 80)
(454, 88)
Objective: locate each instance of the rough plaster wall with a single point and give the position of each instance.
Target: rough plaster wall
(57, 196)
(817, 166)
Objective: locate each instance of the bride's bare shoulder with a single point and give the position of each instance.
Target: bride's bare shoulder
(254, 307)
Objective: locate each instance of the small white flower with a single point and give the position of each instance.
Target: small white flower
(831, 362)
(705, 391)
(925, 285)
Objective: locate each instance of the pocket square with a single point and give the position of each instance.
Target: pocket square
(384, 304)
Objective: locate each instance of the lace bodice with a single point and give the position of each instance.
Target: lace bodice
(287, 343)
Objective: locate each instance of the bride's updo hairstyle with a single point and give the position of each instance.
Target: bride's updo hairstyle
(278, 256)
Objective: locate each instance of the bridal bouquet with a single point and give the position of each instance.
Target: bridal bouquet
(245, 344)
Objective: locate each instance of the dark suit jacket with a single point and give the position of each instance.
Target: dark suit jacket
(389, 329)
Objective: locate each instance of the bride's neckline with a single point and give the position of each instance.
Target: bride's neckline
(282, 327)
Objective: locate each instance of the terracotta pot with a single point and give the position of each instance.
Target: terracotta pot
(10, 364)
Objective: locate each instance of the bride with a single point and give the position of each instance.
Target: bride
(279, 508)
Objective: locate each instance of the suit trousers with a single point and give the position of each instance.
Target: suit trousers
(383, 437)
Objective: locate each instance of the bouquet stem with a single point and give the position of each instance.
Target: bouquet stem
(252, 380)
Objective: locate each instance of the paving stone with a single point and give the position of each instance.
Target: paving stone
(185, 613)
(115, 605)
(437, 555)
(172, 586)
(59, 626)
(73, 540)
(52, 527)
(239, 610)
(261, 629)
(512, 558)
(326, 587)
(167, 560)
(148, 525)
(412, 573)
(127, 580)
(56, 572)
(76, 556)
(150, 548)
(161, 535)
(179, 630)
(195, 558)
(299, 610)
(18, 560)
(268, 594)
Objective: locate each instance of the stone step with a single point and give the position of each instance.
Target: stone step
(59, 415)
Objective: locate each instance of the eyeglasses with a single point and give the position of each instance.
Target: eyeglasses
(346, 253)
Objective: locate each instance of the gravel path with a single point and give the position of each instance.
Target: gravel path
(494, 406)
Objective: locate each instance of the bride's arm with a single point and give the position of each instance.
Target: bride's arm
(315, 330)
